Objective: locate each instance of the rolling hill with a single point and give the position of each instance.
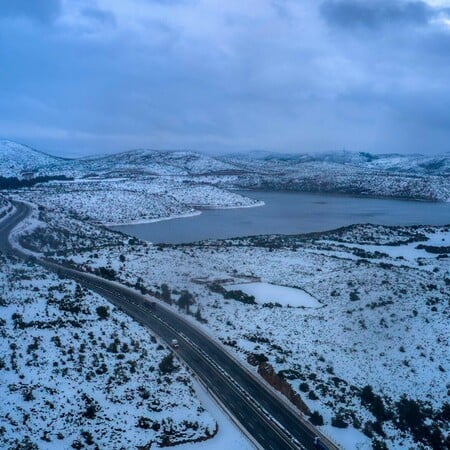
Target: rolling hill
(16, 158)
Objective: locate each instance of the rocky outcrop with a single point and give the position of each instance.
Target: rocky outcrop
(278, 382)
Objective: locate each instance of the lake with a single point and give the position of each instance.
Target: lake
(290, 213)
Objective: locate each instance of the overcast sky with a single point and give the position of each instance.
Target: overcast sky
(87, 76)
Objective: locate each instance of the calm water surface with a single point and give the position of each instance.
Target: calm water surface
(289, 213)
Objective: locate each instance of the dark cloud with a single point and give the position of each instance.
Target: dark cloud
(375, 14)
(44, 11)
(185, 74)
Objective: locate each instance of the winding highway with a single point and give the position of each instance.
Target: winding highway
(269, 420)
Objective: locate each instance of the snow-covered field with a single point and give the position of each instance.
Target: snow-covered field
(376, 347)
(75, 371)
(271, 293)
(207, 196)
(133, 201)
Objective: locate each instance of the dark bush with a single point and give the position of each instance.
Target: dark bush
(338, 421)
(144, 423)
(103, 312)
(165, 294)
(92, 407)
(304, 387)
(316, 418)
(259, 358)
(374, 403)
(90, 412)
(108, 273)
(186, 300)
(217, 288)
(166, 365)
(410, 414)
(240, 297)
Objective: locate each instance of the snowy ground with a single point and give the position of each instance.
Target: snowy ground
(133, 201)
(75, 372)
(271, 293)
(375, 348)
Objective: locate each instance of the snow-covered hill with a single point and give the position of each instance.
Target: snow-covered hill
(436, 165)
(16, 158)
(352, 173)
(158, 163)
(123, 201)
(390, 175)
(393, 162)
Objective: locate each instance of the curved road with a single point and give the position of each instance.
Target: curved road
(267, 418)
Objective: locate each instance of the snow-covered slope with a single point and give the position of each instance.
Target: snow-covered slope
(15, 158)
(413, 164)
(121, 201)
(438, 165)
(78, 373)
(388, 175)
(159, 163)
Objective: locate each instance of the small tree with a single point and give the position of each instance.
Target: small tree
(198, 315)
(165, 294)
(92, 407)
(374, 403)
(166, 365)
(316, 418)
(411, 415)
(338, 421)
(107, 272)
(139, 285)
(103, 312)
(304, 387)
(78, 292)
(186, 300)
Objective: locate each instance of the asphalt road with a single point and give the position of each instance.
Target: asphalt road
(266, 417)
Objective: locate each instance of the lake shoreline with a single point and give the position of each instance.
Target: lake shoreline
(292, 214)
(342, 194)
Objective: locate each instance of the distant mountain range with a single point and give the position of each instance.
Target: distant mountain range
(387, 175)
(16, 158)
(394, 162)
